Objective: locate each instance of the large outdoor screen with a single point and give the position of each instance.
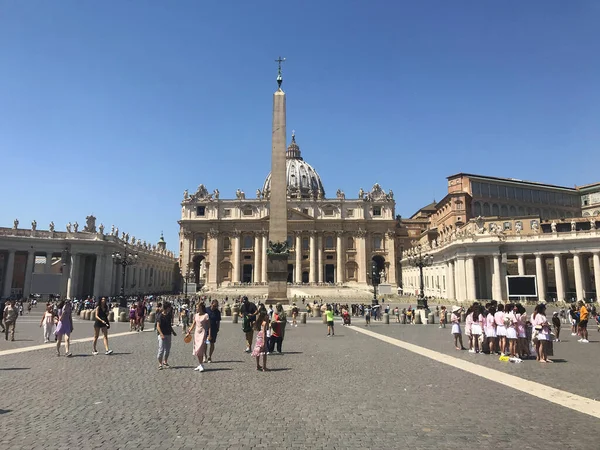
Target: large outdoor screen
(521, 286)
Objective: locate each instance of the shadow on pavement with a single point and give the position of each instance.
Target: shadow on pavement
(216, 369)
(5, 411)
(15, 368)
(226, 362)
(287, 353)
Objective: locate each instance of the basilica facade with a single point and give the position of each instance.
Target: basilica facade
(332, 241)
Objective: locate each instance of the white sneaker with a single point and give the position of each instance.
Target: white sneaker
(200, 368)
(585, 341)
(580, 340)
(108, 352)
(471, 351)
(573, 334)
(94, 353)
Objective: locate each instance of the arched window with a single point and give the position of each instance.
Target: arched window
(248, 242)
(304, 243)
(199, 242)
(495, 210)
(504, 211)
(513, 211)
(290, 242)
(226, 243)
(486, 209)
(477, 209)
(377, 242)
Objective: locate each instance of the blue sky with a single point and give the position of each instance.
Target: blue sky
(115, 107)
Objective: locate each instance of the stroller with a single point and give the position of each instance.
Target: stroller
(346, 318)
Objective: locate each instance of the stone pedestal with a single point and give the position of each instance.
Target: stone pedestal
(277, 273)
(227, 311)
(324, 319)
(316, 311)
(111, 316)
(303, 317)
(235, 317)
(123, 317)
(117, 310)
(417, 317)
(152, 317)
(386, 318)
(431, 318)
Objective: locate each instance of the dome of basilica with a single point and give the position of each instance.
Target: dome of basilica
(302, 180)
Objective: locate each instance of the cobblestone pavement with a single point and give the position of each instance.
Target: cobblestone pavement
(350, 391)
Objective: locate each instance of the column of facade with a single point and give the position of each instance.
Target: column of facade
(257, 259)
(28, 273)
(235, 276)
(339, 251)
(298, 254)
(107, 278)
(98, 276)
(213, 258)
(361, 254)
(558, 275)
(320, 258)
(596, 262)
(578, 276)
(391, 250)
(265, 243)
(521, 264)
(311, 257)
(10, 270)
(460, 285)
(470, 279)
(450, 294)
(48, 268)
(540, 275)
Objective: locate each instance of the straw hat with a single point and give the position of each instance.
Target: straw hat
(455, 309)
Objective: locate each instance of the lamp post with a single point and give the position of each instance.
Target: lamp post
(417, 259)
(124, 259)
(189, 273)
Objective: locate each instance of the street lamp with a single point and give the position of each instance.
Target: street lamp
(189, 273)
(417, 259)
(124, 259)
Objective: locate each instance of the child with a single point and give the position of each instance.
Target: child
(48, 322)
(443, 317)
(260, 348)
(556, 326)
(455, 319)
(329, 319)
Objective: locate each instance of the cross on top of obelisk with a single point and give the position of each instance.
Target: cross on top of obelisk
(279, 79)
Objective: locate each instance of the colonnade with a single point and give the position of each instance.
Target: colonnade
(476, 276)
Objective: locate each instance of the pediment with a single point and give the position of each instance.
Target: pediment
(294, 214)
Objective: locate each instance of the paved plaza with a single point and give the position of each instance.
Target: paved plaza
(349, 391)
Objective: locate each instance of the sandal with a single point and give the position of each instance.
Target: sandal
(258, 368)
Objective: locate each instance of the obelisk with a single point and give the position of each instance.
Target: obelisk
(277, 253)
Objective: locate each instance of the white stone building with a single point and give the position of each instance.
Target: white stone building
(332, 240)
(77, 263)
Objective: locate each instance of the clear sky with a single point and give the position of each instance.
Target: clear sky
(115, 107)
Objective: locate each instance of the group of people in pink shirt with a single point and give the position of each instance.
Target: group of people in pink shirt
(506, 329)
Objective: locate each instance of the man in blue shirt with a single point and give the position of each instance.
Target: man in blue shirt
(214, 317)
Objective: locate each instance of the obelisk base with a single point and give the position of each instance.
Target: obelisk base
(277, 274)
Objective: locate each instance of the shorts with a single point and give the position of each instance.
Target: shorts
(583, 324)
(330, 323)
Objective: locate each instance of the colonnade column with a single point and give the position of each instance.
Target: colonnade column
(578, 276)
(521, 264)
(470, 278)
(497, 279)
(257, 259)
(460, 280)
(450, 294)
(28, 273)
(98, 276)
(48, 268)
(596, 261)
(235, 276)
(312, 254)
(339, 250)
(265, 243)
(298, 254)
(320, 258)
(558, 274)
(541, 277)
(10, 270)
(73, 274)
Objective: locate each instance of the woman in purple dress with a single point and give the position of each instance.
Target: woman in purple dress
(200, 324)
(64, 327)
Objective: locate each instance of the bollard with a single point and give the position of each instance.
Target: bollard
(417, 314)
(152, 317)
(111, 316)
(88, 314)
(234, 318)
(403, 318)
(324, 319)
(431, 318)
(463, 316)
(303, 317)
(386, 318)
(123, 317)
(316, 311)
(227, 310)
(82, 315)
